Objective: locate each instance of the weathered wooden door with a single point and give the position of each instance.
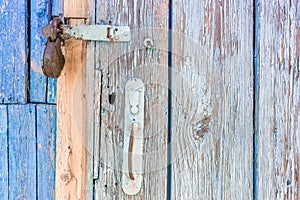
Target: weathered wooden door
(198, 78)
(221, 100)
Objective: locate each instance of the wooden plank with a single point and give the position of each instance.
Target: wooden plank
(13, 44)
(3, 153)
(90, 141)
(51, 90)
(116, 63)
(22, 152)
(212, 107)
(46, 140)
(38, 81)
(279, 100)
(57, 7)
(75, 9)
(71, 152)
(57, 10)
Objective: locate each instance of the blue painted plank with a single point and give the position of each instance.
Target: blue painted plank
(57, 10)
(38, 81)
(22, 152)
(3, 153)
(13, 44)
(57, 7)
(51, 92)
(46, 140)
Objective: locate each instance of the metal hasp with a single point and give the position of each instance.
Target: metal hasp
(132, 166)
(105, 33)
(57, 32)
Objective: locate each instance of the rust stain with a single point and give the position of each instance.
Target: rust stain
(217, 26)
(208, 19)
(298, 42)
(160, 13)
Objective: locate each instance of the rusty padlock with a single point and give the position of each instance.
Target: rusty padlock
(53, 59)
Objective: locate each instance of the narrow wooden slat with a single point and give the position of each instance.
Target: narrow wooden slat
(46, 141)
(90, 141)
(51, 90)
(117, 63)
(57, 10)
(3, 153)
(71, 152)
(279, 100)
(13, 44)
(38, 81)
(75, 9)
(22, 151)
(57, 7)
(212, 123)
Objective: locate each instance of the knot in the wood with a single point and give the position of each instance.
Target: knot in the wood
(201, 128)
(66, 176)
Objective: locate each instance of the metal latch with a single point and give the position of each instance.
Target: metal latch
(132, 166)
(105, 33)
(57, 32)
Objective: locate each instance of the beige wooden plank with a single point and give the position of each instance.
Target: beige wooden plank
(71, 152)
(212, 99)
(279, 100)
(120, 62)
(76, 9)
(90, 63)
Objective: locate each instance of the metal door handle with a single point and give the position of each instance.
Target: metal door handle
(134, 129)
(132, 166)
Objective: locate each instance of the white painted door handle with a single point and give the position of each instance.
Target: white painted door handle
(132, 165)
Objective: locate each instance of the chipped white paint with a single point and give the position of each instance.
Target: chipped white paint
(279, 100)
(132, 167)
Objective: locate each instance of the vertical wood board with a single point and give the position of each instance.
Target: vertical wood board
(212, 124)
(71, 152)
(51, 90)
(38, 81)
(76, 9)
(22, 152)
(3, 153)
(57, 7)
(114, 64)
(13, 55)
(46, 141)
(279, 100)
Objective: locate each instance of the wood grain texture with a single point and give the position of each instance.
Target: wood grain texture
(279, 100)
(76, 9)
(212, 105)
(57, 7)
(90, 140)
(22, 152)
(114, 64)
(57, 10)
(13, 56)
(3, 153)
(51, 90)
(42, 89)
(46, 141)
(38, 81)
(71, 153)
